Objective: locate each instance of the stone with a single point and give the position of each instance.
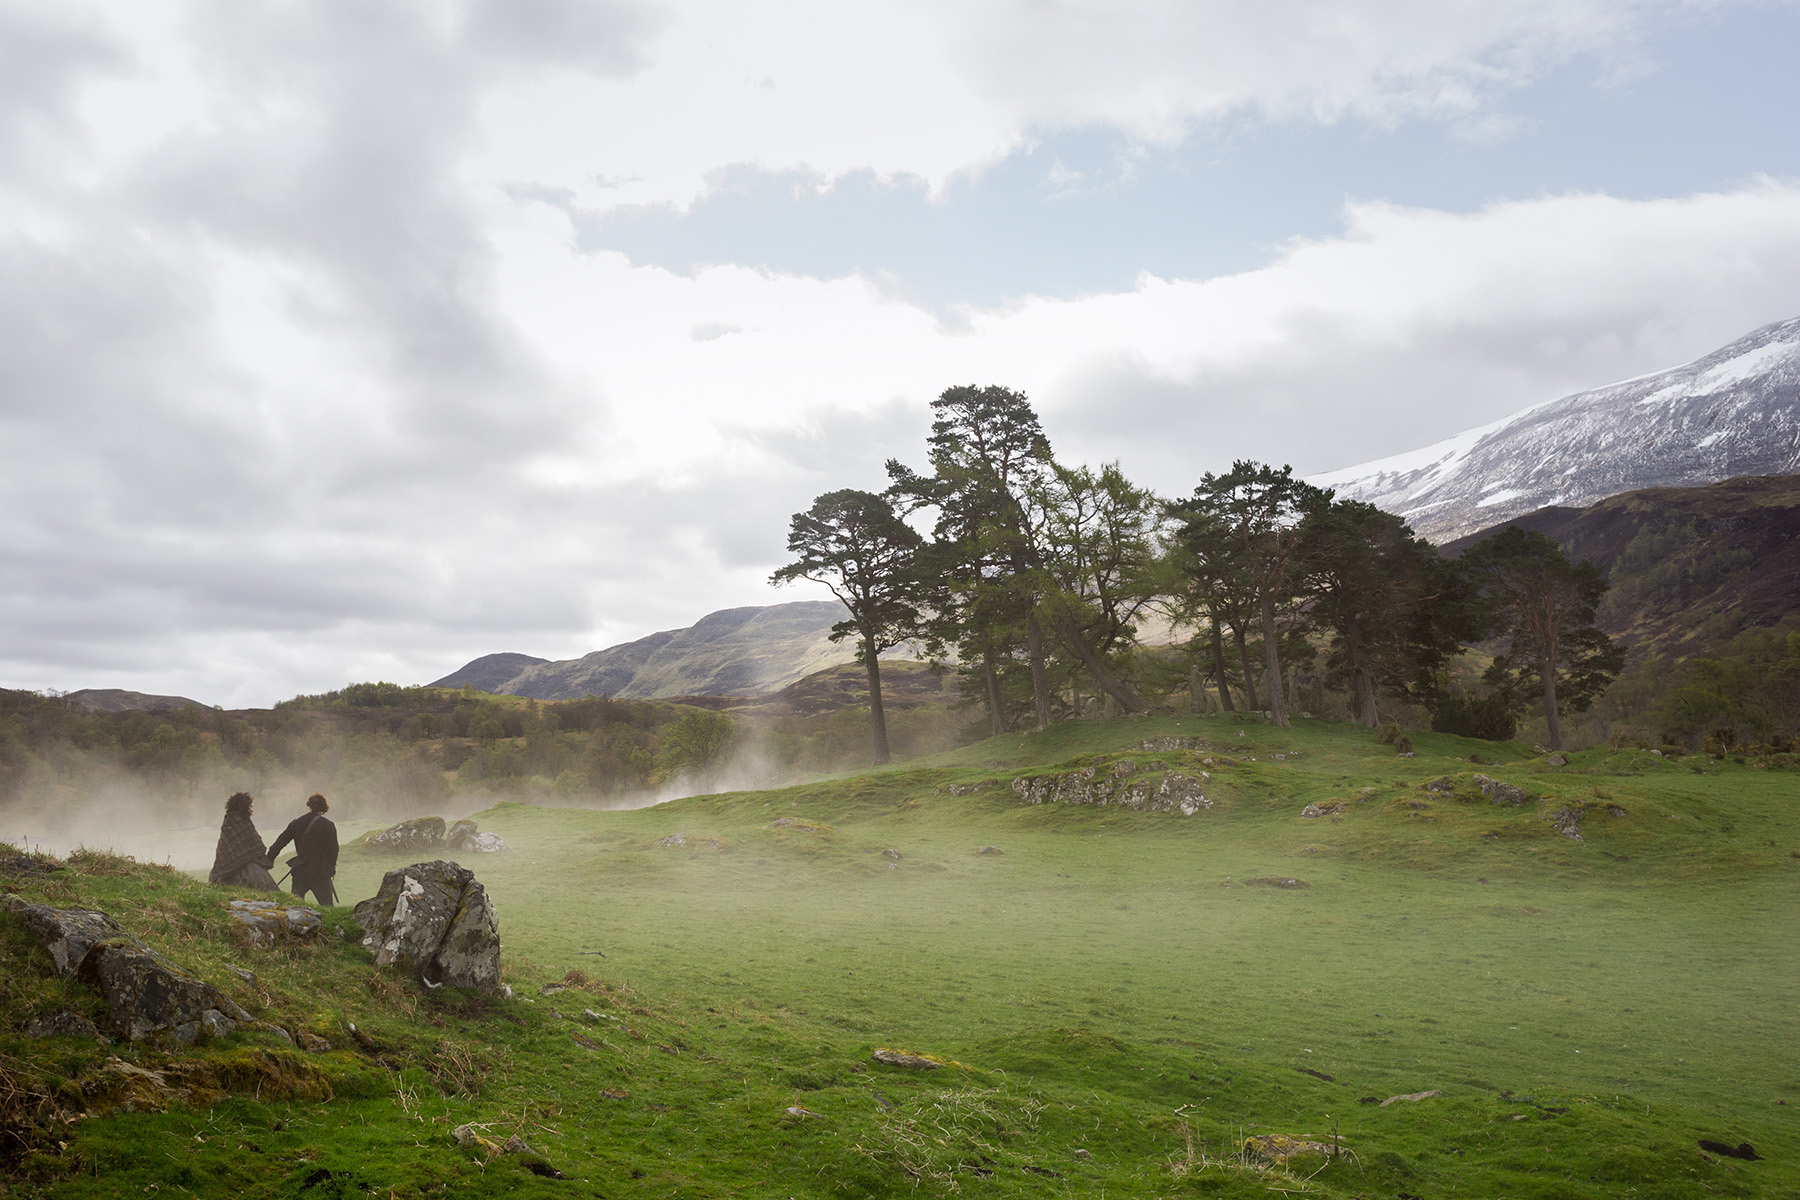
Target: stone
(1557, 760)
(466, 839)
(461, 836)
(1498, 791)
(312, 1042)
(146, 993)
(1412, 1096)
(1173, 792)
(1165, 744)
(899, 1058)
(434, 920)
(1278, 1147)
(1567, 821)
(893, 855)
(67, 933)
(262, 923)
(420, 833)
(989, 850)
(63, 1024)
(1328, 809)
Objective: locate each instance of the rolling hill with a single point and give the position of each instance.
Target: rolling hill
(733, 652)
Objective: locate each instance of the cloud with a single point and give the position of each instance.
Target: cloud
(304, 377)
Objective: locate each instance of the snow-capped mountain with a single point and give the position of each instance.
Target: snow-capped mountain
(1734, 412)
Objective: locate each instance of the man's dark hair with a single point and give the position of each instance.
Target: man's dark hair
(240, 802)
(317, 803)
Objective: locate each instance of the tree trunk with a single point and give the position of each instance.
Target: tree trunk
(1551, 718)
(1278, 711)
(1120, 690)
(1040, 682)
(877, 716)
(1196, 689)
(1361, 680)
(1218, 649)
(1243, 649)
(996, 705)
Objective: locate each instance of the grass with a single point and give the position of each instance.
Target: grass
(1122, 999)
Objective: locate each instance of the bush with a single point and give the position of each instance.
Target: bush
(1489, 717)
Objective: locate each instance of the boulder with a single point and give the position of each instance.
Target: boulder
(1330, 808)
(63, 1024)
(1498, 791)
(899, 1058)
(262, 923)
(434, 920)
(67, 933)
(146, 993)
(420, 833)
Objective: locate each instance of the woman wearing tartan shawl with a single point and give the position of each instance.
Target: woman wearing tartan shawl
(239, 860)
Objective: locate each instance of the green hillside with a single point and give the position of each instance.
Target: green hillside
(1125, 1003)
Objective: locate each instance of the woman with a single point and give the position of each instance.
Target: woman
(238, 862)
(315, 851)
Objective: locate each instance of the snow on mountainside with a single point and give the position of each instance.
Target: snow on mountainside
(1734, 412)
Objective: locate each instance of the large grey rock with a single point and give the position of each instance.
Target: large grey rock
(67, 933)
(466, 838)
(420, 833)
(146, 993)
(434, 920)
(262, 923)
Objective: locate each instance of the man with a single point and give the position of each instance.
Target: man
(315, 851)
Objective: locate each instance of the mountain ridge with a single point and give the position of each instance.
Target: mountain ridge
(746, 651)
(1731, 413)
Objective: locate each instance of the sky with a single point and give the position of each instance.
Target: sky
(346, 340)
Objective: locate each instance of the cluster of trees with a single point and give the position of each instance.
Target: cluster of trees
(1037, 575)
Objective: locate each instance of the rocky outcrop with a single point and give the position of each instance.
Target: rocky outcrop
(145, 993)
(420, 833)
(1123, 783)
(465, 838)
(262, 923)
(67, 933)
(1474, 788)
(434, 920)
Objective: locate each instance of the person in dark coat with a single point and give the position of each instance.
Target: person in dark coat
(315, 851)
(240, 858)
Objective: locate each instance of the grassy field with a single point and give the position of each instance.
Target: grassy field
(1122, 1000)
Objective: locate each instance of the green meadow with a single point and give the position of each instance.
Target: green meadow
(1123, 1003)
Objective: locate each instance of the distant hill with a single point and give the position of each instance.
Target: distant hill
(489, 672)
(1689, 567)
(734, 652)
(1733, 413)
(113, 700)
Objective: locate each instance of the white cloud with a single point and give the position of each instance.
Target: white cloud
(299, 384)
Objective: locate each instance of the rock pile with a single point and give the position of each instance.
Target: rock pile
(428, 833)
(467, 839)
(1119, 783)
(434, 920)
(145, 992)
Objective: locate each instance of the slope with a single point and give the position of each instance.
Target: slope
(1731, 413)
(1120, 1002)
(1689, 567)
(736, 651)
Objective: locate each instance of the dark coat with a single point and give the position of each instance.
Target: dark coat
(315, 855)
(238, 861)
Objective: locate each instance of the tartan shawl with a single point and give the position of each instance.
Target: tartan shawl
(239, 843)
